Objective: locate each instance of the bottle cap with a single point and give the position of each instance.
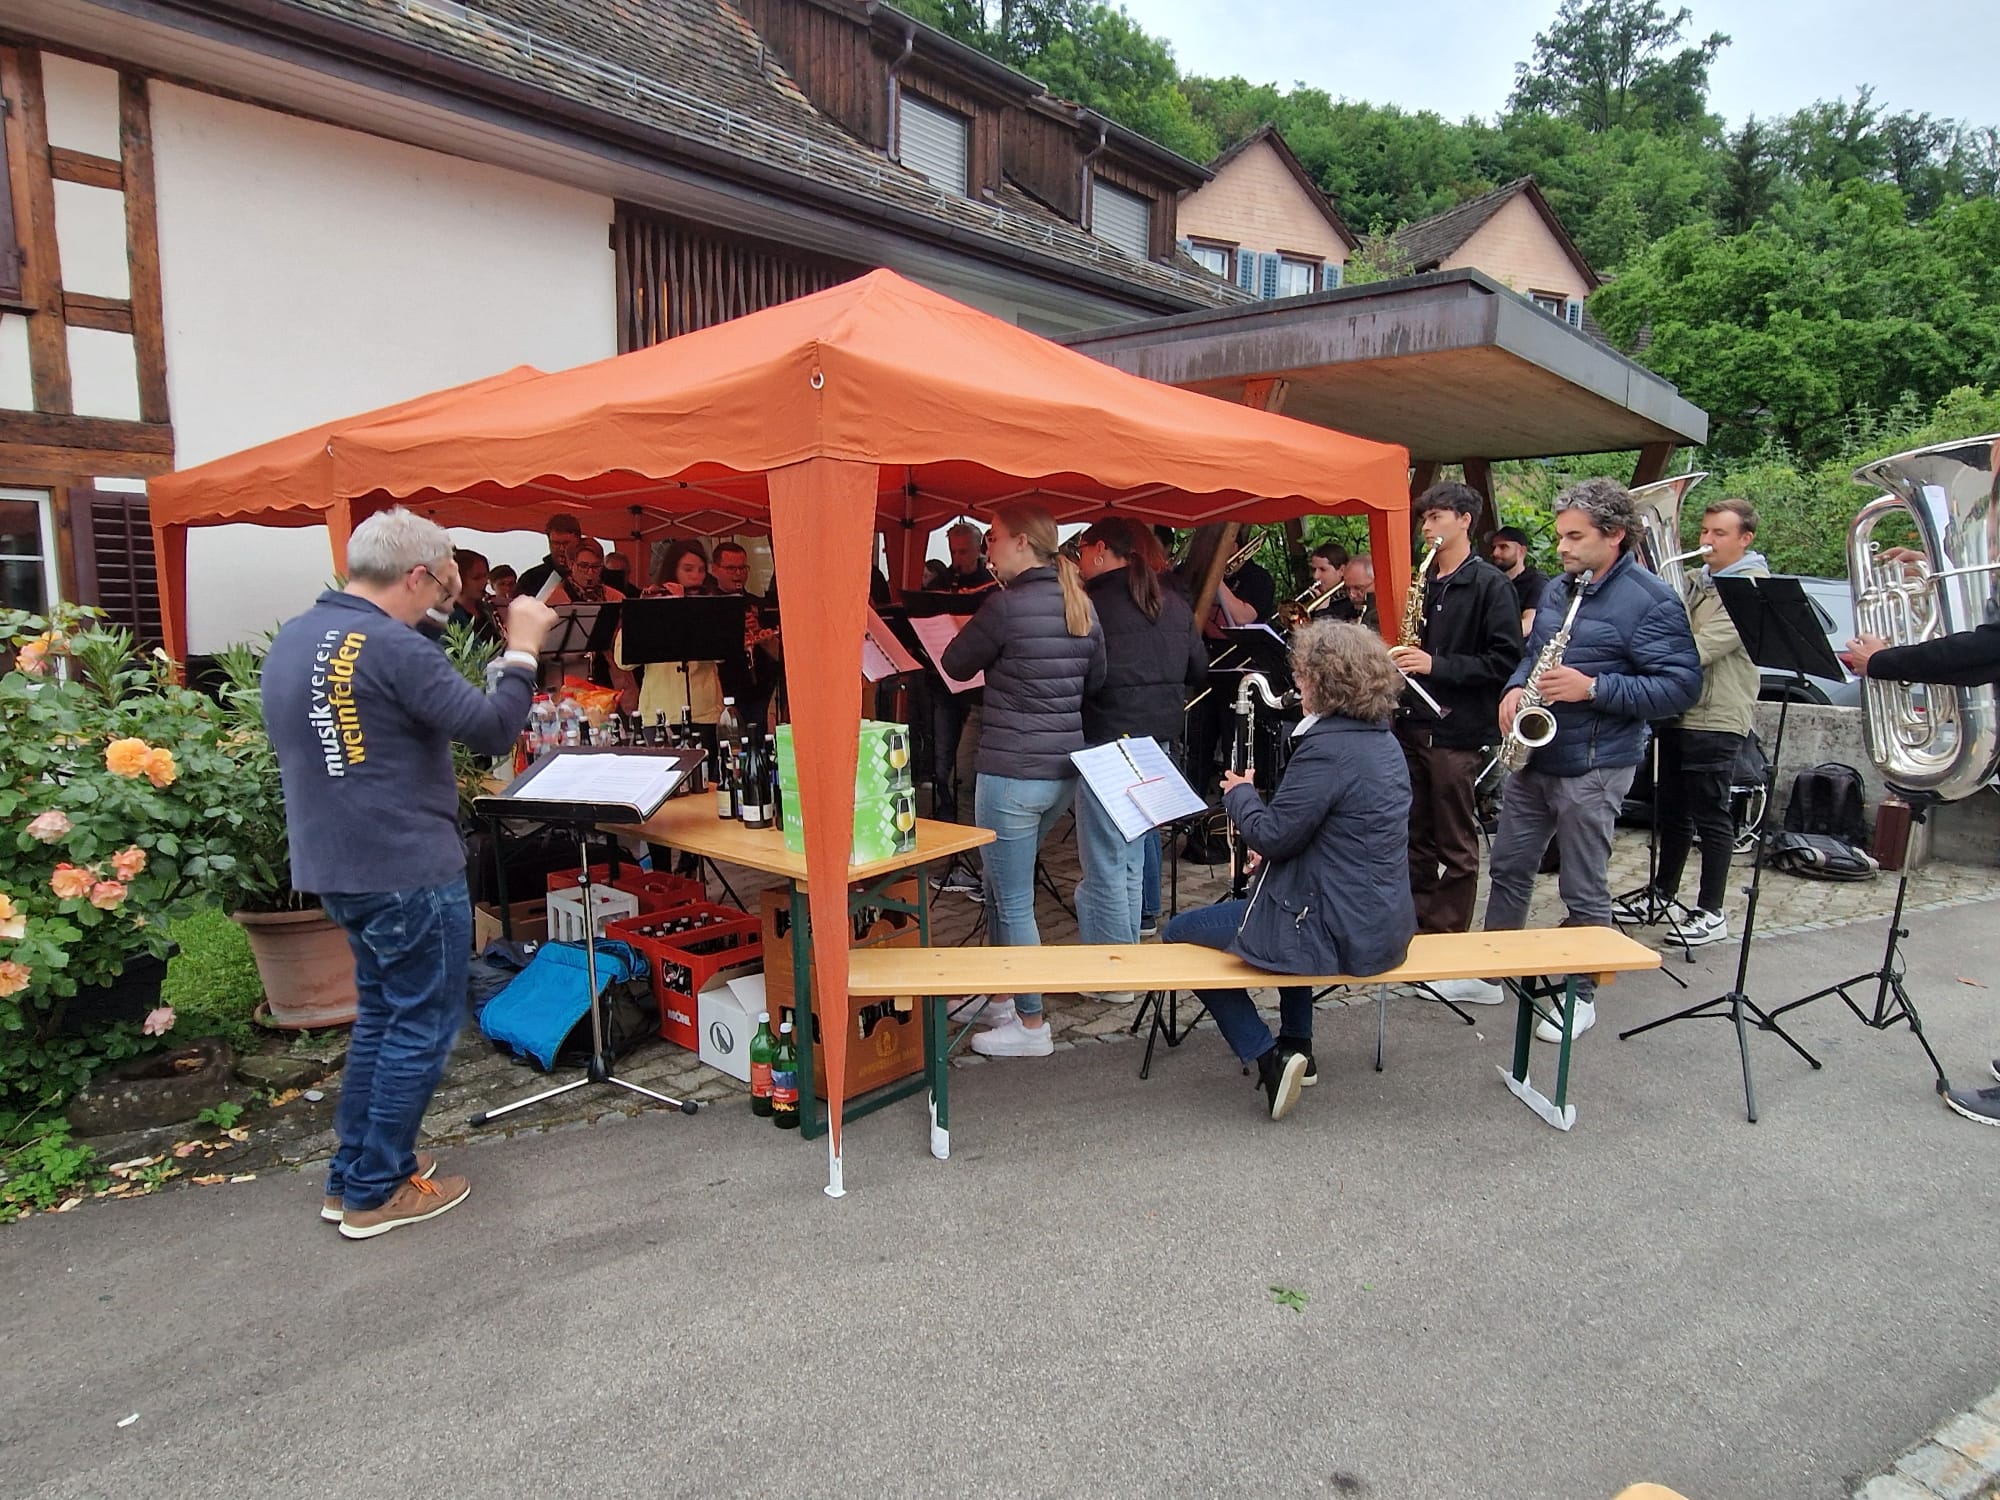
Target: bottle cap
(787, 1026)
(763, 1016)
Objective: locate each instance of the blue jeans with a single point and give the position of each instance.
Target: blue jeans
(1020, 812)
(1149, 900)
(1235, 1017)
(411, 950)
(1108, 897)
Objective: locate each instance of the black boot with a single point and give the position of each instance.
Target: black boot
(1278, 1074)
(1303, 1046)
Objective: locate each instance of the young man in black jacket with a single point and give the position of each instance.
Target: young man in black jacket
(1468, 642)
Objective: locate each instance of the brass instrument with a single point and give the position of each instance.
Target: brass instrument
(1658, 543)
(1413, 607)
(1296, 612)
(1947, 744)
(1534, 722)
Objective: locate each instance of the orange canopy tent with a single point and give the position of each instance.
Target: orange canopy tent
(877, 403)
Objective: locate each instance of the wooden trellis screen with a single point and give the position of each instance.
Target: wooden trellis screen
(674, 278)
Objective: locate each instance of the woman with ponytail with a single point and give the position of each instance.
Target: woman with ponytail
(1154, 657)
(1039, 644)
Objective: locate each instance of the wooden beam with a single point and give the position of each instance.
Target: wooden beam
(27, 145)
(66, 165)
(142, 247)
(1423, 474)
(47, 429)
(40, 464)
(112, 314)
(1652, 464)
(1479, 475)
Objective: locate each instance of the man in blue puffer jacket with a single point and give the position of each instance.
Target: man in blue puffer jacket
(1631, 661)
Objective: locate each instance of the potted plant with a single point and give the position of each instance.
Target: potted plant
(302, 958)
(110, 777)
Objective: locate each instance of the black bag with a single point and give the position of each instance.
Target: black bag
(1819, 856)
(1827, 799)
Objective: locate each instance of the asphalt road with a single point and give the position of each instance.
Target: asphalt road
(1079, 1302)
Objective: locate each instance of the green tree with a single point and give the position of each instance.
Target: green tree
(1618, 62)
(1749, 179)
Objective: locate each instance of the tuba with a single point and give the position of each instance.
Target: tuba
(1659, 540)
(1947, 744)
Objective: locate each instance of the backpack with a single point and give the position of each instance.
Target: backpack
(1827, 799)
(543, 1015)
(1819, 856)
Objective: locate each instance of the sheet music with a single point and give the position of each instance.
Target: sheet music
(640, 780)
(882, 655)
(1256, 625)
(1138, 784)
(938, 632)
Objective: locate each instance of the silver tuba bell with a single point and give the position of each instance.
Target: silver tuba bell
(1947, 741)
(1659, 543)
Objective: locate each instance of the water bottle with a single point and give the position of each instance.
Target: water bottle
(541, 726)
(569, 722)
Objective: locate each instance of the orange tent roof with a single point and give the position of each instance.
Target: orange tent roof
(962, 410)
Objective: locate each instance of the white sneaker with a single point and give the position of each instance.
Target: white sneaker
(983, 1011)
(1469, 991)
(1117, 997)
(1585, 1018)
(1014, 1040)
(1699, 928)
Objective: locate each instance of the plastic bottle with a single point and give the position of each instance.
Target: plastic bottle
(569, 722)
(785, 1081)
(762, 1050)
(541, 726)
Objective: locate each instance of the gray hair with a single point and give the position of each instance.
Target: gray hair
(963, 528)
(1605, 503)
(391, 542)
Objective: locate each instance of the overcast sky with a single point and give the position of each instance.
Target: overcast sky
(1457, 56)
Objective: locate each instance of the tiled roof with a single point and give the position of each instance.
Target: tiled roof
(1430, 241)
(697, 69)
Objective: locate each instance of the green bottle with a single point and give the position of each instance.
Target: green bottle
(785, 1082)
(762, 1050)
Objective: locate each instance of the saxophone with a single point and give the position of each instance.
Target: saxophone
(1413, 607)
(1534, 723)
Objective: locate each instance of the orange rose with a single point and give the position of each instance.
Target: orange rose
(14, 977)
(129, 862)
(127, 757)
(13, 926)
(71, 883)
(160, 768)
(107, 895)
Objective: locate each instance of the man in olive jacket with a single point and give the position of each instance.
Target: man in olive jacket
(1698, 751)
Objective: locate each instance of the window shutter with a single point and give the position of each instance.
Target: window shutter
(1329, 277)
(1267, 275)
(935, 143)
(1246, 270)
(1121, 218)
(1573, 311)
(111, 535)
(10, 246)
(1187, 246)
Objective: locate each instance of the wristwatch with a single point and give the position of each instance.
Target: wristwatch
(1590, 693)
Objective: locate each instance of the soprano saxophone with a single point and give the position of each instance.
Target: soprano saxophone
(1413, 607)
(1534, 722)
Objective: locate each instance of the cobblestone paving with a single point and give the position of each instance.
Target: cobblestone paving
(1958, 1461)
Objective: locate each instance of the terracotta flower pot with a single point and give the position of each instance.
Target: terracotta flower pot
(306, 966)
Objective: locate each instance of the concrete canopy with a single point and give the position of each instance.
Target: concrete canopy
(1451, 364)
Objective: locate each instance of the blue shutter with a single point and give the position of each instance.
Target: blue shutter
(1267, 275)
(1573, 311)
(1246, 270)
(1187, 246)
(1329, 275)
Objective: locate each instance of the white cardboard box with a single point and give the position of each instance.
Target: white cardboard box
(728, 1021)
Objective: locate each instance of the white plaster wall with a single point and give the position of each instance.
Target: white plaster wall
(311, 272)
(103, 374)
(17, 390)
(82, 105)
(90, 240)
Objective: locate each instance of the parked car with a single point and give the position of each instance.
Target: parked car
(1833, 604)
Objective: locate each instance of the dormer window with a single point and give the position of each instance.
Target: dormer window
(934, 142)
(1121, 218)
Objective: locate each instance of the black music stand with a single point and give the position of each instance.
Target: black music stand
(583, 632)
(1647, 905)
(1781, 632)
(584, 813)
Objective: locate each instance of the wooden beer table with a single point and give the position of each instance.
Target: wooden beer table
(690, 824)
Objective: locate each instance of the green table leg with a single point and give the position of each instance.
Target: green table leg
(1561, 1113)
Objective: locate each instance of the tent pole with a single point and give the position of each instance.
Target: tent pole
(170, 563)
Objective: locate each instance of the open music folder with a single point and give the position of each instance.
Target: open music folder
(1137, 784)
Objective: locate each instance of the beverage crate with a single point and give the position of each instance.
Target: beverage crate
(565, 909)
(681, 964)
(656, 890)
(886, 1042)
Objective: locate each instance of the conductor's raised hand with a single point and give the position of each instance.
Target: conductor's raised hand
(529, 622)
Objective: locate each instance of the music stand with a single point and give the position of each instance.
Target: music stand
(583, 631)
(568, 796)
(1647, 905)
(1781, 632)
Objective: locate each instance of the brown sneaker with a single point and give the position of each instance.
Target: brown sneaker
(418, 1199)
(333, 1210)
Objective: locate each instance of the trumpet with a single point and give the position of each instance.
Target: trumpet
(1296, 612)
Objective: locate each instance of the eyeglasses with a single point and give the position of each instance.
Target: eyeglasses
(444, 588)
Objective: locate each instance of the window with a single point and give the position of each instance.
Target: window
(934, 142)
(1329, 277)
(27, 562)
(1549, 302)
(1296, 277)
(1121, 218)
(1213, 259)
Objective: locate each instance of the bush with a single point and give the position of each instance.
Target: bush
(212, 982)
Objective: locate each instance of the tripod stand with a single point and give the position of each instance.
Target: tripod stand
(1647, 905)
(1892, 998)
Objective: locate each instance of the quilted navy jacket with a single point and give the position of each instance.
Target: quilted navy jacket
(1037, 675)
(1632, 636)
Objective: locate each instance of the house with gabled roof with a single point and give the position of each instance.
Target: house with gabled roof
(1261, 223)
(225, 220)
(1511, 235)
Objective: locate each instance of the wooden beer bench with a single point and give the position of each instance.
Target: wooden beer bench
(1161, 969)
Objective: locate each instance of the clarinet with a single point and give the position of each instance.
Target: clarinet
(1242, 761)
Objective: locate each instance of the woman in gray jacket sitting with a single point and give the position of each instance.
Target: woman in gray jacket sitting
(1332, 894)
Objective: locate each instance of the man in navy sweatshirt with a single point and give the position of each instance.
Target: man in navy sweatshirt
(362, 711)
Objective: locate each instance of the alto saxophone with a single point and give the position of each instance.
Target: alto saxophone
(1534, 723)
(1413, 607)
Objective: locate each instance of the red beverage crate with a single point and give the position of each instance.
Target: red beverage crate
(682, 964)
(656, 891)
